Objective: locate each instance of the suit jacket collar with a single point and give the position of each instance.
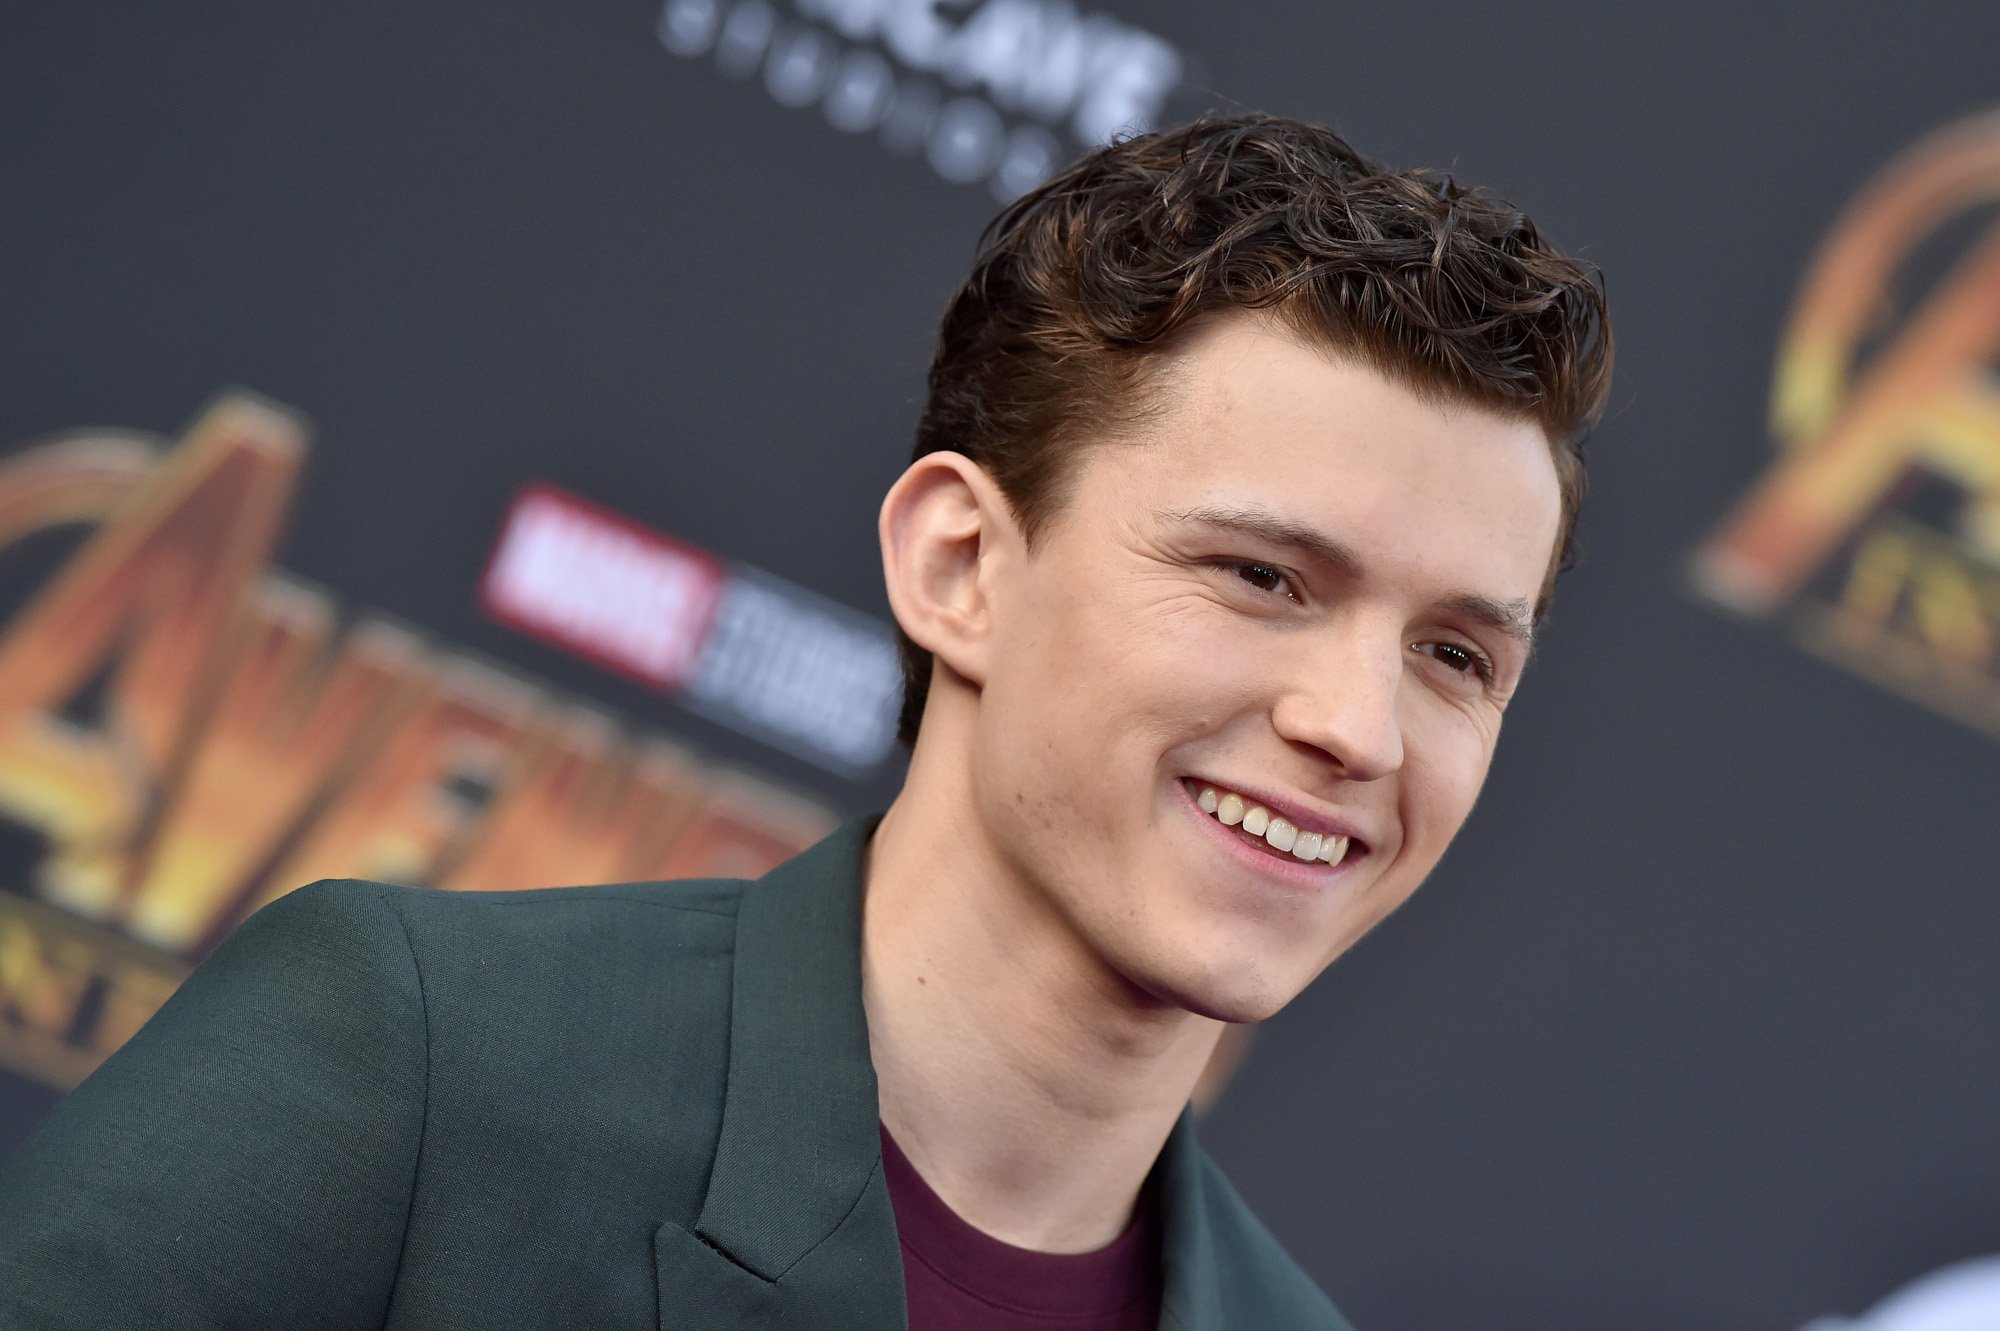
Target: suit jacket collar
(799, 1159)
(799, 1114)
(1192, 1298)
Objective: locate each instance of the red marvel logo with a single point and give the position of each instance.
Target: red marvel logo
(581, 577)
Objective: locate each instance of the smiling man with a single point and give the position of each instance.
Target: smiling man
(1244, 478)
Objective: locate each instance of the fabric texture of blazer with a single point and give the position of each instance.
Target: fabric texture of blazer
(646, 1105)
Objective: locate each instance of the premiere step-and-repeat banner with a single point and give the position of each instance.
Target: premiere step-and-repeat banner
(441, 443)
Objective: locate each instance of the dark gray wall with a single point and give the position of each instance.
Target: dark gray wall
(1696, 1026)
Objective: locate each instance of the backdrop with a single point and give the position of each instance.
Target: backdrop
(443, 443)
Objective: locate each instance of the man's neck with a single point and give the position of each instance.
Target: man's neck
(1030, 1085)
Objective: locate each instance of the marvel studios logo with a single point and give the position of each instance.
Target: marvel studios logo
(736, 644)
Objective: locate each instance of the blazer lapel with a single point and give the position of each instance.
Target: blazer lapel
(1192, 1297)
(796, 1227)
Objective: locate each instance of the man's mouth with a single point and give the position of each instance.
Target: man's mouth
(1268, 831)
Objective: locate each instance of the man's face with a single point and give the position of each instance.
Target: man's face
(1305, 589)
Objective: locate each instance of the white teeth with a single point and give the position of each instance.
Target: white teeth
(1281, 835)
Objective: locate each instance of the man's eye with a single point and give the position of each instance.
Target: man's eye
(1262, 576)
(1461, 660)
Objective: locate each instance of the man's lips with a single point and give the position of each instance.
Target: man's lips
(1256, 853)
(1305, 819)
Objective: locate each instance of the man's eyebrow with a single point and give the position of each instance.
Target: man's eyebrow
(1515, 618)
(1268, 526)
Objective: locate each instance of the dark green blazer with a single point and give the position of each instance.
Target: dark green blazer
(647, 1105)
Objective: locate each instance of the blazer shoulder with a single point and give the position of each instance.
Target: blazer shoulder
(700, 896)
(605, 955)
(1262, 1285)
(613, 930)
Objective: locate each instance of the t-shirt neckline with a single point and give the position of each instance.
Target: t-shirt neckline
(1022, 1280)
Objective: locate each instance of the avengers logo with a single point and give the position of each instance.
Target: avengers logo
(1877, 532)
(187, 733)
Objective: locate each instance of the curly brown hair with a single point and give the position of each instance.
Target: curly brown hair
(1085, 284)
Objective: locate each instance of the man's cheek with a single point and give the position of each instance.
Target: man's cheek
(1442, 805)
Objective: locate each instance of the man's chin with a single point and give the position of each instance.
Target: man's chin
(1239, 996)
(1238, 1009)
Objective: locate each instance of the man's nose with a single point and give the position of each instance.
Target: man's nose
(1346, 707)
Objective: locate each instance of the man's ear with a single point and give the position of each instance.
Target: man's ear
(945, 527)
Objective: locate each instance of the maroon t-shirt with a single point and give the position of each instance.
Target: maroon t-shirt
(959, 1279)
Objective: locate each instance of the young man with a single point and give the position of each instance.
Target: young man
(1244, 478)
